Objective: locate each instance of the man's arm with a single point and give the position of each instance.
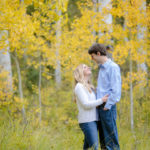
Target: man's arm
(115, 85)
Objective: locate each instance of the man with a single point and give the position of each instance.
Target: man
(109, 82)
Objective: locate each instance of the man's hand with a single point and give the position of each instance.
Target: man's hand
(104, 99)
(106, 109)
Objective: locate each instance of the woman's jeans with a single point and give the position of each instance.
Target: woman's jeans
(90, 131)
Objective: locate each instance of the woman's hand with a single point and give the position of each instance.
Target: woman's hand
(104, 99)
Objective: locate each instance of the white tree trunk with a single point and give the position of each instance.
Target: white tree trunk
(95, 10)
(5, 61)
(108, 19)
(131, 94)
(140, 36)
(131, 85)
(21, 1)
(20, 87)
(40, 100)
(58, 42)
(100, 11)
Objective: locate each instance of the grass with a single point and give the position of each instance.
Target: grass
(62, 137)
(59, 129)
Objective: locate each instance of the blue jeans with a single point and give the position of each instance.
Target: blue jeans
(108, 129)
(90, 131)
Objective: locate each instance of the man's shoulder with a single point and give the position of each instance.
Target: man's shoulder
(113, 67)
(113, 64)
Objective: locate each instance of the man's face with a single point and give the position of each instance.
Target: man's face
(95, 57)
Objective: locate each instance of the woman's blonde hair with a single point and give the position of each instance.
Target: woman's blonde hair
(79, 78)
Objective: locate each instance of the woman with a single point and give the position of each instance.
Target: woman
(86, 102)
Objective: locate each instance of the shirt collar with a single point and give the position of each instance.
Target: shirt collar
(105, 64)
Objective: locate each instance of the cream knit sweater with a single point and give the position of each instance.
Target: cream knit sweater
(86, 103)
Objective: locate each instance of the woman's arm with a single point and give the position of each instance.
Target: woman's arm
(83, 98)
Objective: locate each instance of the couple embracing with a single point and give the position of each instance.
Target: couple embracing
(97, 108)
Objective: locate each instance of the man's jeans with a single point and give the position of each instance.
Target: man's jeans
(90, 135)
(108, 129)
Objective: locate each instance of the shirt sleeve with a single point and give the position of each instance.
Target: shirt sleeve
(84, 99)
(115, 87)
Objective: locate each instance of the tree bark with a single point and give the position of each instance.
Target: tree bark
(130, 77)
(131, 94)
(5, 61)
(95, 10)
(140, 36)
(20, 87)
(58, 42)
(102, 4)
(40, 100)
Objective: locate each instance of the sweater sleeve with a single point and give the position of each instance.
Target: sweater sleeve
(83, 98)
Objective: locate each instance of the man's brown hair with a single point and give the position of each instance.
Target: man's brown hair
(97, 48)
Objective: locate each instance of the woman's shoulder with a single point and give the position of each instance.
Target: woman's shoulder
(79, 86)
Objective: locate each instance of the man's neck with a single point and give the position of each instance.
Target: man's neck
(104, 59)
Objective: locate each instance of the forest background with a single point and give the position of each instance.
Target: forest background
(42, 42)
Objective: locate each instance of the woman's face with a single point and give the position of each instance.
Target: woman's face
(86, 70)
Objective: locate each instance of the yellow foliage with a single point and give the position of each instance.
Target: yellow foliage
(5, 91)
(34, 36)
